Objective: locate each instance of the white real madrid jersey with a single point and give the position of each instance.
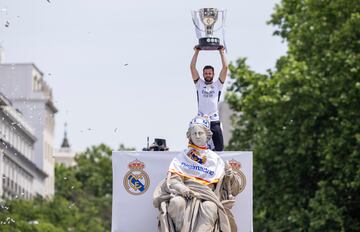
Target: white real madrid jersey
(208, 96)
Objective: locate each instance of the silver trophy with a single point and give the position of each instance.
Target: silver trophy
(209, 17)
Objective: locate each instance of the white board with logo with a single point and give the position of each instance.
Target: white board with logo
(135, 176)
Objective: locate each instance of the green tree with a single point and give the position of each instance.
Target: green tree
(88, 186)
(82, 201)
(94, 170)
(302, 120)
(37, 215)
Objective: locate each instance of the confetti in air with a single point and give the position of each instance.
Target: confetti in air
(3, 10)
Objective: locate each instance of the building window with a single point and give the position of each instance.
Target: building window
(37, 83)
(16, 181)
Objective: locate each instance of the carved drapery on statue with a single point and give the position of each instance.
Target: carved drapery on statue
(197, 208)
(198, 192)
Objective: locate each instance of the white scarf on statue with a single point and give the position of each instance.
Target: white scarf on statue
(199, 164)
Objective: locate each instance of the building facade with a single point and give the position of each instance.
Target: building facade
(24, 85)
(21, 178)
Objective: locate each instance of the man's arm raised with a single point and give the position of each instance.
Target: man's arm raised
(223, 72)
(194, 72)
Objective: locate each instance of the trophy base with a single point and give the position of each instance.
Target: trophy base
(209, 43)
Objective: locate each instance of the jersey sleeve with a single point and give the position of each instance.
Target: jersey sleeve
(199, 82)
(218, 84)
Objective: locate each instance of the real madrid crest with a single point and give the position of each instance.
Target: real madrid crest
(136, 181)
(236, 165)
(196, 156)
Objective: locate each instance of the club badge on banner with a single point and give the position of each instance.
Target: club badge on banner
(136, 174)
(136, 181)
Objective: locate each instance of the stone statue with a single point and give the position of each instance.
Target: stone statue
(199, 190)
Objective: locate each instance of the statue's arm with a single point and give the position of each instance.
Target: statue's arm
(233, 180)
(176, 183)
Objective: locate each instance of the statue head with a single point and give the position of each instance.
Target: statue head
(199, 132)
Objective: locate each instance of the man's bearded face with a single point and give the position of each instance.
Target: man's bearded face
(208, 75)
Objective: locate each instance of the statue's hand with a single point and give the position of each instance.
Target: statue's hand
(187, 193)
(229, 172)
(228, 169)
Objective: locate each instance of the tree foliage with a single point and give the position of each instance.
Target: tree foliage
(82, 201)
(302, 120)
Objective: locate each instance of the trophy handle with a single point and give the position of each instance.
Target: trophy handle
(193, 15)
(218, 28)
(223, 16)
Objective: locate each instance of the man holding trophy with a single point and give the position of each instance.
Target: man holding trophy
(208, 89)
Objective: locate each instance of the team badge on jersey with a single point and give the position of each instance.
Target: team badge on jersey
(236, 166)
(136, 181)
(196, 156)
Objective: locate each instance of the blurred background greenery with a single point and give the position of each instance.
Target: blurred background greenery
(302, 120)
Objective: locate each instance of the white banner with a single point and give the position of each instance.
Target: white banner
(135, 176)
